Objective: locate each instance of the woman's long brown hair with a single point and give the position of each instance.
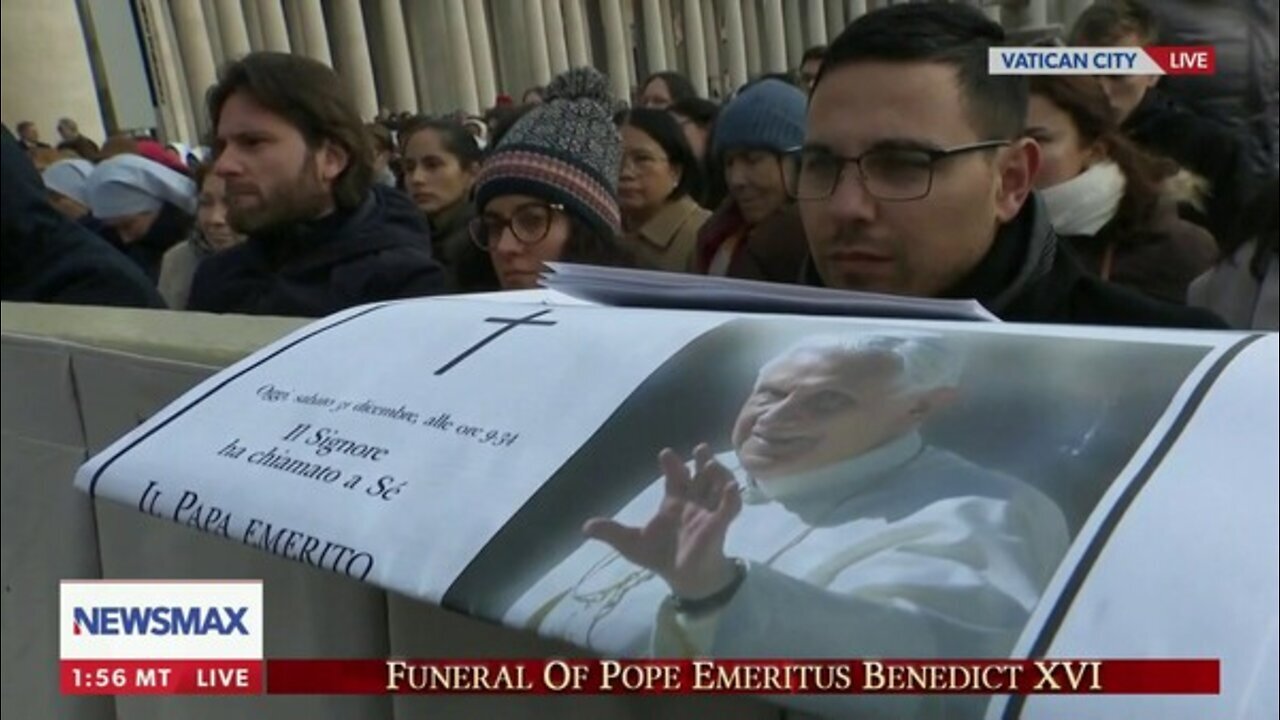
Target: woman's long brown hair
(1082, 98)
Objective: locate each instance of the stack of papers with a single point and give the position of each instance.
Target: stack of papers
(651, 289)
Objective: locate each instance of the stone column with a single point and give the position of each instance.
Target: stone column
(353, 57)
(538, 42)
(464, 75)
(817, 22)
(629, 29)
(481, 53)
(175, 115)
(293, 23)
(557, 51)
(695, 46)
(775, 40)
(313, 29)
(252, 23)
(655, 54)
(235, 34)
(667, 16)
(794, 21)
(275, 31)
(197, 55)
(215, 34)
(751, 36)
(835, 18)
(737, 50)
(399, 62)
(575, 26)
(615, 42)
(711, 38)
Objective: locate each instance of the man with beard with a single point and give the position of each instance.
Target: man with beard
(299, 183)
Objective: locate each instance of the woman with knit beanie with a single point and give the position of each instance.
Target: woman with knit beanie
(756, 233)
(549, 189)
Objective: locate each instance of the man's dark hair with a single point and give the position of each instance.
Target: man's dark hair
(951, 34)
(1107, 21)
(817, 52)
(310, 97)
(24, 125)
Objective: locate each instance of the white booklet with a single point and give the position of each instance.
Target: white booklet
(626, 287)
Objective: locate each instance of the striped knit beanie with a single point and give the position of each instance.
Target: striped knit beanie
(566, 150)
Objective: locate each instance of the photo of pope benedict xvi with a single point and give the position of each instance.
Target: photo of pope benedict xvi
(831, 528)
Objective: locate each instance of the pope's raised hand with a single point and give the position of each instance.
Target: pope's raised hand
(684, 541)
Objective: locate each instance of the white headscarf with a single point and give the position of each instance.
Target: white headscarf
(70, 178)
(131, 184)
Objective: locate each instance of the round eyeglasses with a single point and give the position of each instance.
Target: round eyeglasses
(529, 225)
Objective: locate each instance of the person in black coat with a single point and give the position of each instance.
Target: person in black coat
(1243, 92)
(299, 176)
(49, 258)
(916, 178)
(1161, 124)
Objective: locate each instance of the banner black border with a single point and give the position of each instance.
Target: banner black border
(1067, 598)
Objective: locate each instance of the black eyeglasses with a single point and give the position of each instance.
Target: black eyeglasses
(529, 225)
(890, 174)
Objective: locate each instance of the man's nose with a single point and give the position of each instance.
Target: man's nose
(782, 411)
(849, 198)
(227, 163)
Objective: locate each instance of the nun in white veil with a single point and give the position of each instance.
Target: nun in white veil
(150, 207)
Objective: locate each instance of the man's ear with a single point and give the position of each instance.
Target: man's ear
(930, 402)
(1017, 166)
(331, 160)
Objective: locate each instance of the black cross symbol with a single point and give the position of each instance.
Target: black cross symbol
(509, 323)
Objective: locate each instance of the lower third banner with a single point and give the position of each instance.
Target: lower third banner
(592, 676)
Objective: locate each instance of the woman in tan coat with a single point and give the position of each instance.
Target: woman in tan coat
(657, 184)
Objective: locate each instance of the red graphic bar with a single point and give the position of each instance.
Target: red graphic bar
(591, 676)
(161, 677)
(1184, 59)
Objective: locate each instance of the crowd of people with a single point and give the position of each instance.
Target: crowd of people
(890, 161)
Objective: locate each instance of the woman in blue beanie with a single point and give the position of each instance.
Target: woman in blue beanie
(756, 233)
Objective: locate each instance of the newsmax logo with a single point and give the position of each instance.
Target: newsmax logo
(159, 620)
(206, 620)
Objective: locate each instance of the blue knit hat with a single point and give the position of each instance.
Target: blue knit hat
(768, 115)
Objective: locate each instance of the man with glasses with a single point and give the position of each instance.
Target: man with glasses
(915, 179)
